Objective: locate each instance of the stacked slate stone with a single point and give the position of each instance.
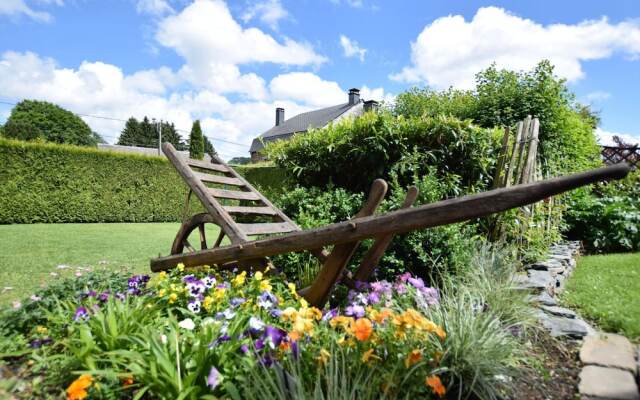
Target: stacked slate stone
(546, 279)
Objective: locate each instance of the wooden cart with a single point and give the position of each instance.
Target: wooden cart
(242, 212)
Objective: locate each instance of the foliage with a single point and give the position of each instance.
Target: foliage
(88, 185)
(40, 120)
(196, 142)
(607, 218)
(370, 145)
(503, 97)
(208, 147)
(145, 134)
(209, 334)
(604, 288)
(240, 161)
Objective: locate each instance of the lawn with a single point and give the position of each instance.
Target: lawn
(606, 289)
(32, 255)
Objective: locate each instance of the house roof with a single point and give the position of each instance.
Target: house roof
(300, 123)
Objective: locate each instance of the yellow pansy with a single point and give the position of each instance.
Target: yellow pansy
(180, 267)
(324, 357)
(172, 298)
(41, 329)
(206, 303)
(162, 292)
(239, 279)
(265, 286)
(257, 276)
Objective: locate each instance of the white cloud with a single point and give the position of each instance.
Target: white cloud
(350, 3)
(269, 12)
(15, 8)
(605, 138)
(596, 96)
(377, 94)
(351, 48)
(308, 88)
(450, 50)
(154, 7)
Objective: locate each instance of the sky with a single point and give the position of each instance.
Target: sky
(231, 63)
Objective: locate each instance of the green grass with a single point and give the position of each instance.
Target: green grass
(30, 254)
(606, 289)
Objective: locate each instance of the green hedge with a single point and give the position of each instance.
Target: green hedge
(48, 183)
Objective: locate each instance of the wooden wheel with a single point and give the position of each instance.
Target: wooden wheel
(181, 242)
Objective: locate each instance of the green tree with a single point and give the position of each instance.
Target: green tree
(40, 120)
(171, 135)
(130, 135)
(240, 160)
(208, 147)
(196, 141)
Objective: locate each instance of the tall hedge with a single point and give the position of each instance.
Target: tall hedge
(46, 183)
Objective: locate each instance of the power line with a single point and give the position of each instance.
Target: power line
(124, 120)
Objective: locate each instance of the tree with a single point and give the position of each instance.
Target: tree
(130, 135)
(239, 160)
(208, 147)
(196, 142)
(33, 120)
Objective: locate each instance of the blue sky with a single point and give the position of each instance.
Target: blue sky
(231, 63)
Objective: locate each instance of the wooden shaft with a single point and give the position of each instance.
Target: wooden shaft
(400, 221)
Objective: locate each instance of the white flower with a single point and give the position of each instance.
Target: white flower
(187, 324)
(163, 338)
(16, 304)
(194, 306)
(209, 281)
(62, 266)
(256, 324)
(208, 321)
(35, 297)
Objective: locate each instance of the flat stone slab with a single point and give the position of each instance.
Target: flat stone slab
(559, 326)
(540, 279)
(607, 383)
(545, 299)
(558, 311)
(609, 350)
(546, 265)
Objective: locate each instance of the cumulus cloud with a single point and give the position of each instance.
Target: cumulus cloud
(308, 88)
(605, 138)
(269, 12)
(153, 7)
(377, 94)
(450, 50)
(351, 48)
(15, 8)
(596, 96)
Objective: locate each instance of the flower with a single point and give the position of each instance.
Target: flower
(303, 325)
(257, 276)
(41, 329)
(173, 297)
(81, 314)
(78, 388)
(323, 357)
(267, 300)
(16, 304)
(209, 281)
(195, 288)
(362, 329)
(369, 356)
(187, 324)
(35, 297)
(265, 285)
(194, 306)
(413, 357)
(214, 378)
(342, 321)
(355, 311)
(417, 283)
(274, 335)
(127, 381)
(256, 324)
(180, 267)
(206, 303)
(239, 279)
(237, 301)
(163, 339)
(436, 385)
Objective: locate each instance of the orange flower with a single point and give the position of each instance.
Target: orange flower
(369, 356)
(284, 346)
(362, 329)
(128, 381)
(436, 385)
(413, 357)
(380, 316)
(440, 332)
(294, 335)
(78, 388)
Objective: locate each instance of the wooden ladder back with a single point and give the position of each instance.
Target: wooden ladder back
(243, 190)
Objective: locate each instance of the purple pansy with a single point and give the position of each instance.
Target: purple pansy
(209, 281)
(355, 310)
(81, 314)
(330, 314)
(373, 298)
(417, 283)
(237, 301)
(274, 335)
(195, 288)
(267, 300)
(194, 306)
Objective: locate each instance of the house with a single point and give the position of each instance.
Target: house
(284, 129)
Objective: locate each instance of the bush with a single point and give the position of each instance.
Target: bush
(353, 152)
(239, 336)
(48, 183)
(31, 120)
(607, 219)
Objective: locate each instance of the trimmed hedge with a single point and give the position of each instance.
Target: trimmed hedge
(50, 183)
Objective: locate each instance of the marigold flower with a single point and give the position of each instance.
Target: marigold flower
(128, 381)
(414, 357)
(436, 385)
(78, 388)
(362, 329)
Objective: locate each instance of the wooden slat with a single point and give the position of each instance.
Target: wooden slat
(206, 165)
(266, 228)
(225, 180)
(233, 194)
(400, 221)
(249, 210)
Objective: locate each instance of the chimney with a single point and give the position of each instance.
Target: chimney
(370, 105)
(354, 96)
(279, 115)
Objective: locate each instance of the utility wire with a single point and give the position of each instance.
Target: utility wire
(124, 120)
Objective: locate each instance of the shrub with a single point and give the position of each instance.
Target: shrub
(196, 142)
(50, 183)
(353, 152)
(31, 120)
(607, 219)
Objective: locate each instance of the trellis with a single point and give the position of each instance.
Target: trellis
(617, 154)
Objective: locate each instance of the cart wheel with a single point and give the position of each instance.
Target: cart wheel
(181, 242)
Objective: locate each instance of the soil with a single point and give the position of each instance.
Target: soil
(551, 371)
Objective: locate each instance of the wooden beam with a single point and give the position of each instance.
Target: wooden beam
(206, 165)
(233, 194)
(400, 221)
(249, 210)
(266, 228)
(225, 180)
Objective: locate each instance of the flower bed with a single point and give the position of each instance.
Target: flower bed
(211, 334)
